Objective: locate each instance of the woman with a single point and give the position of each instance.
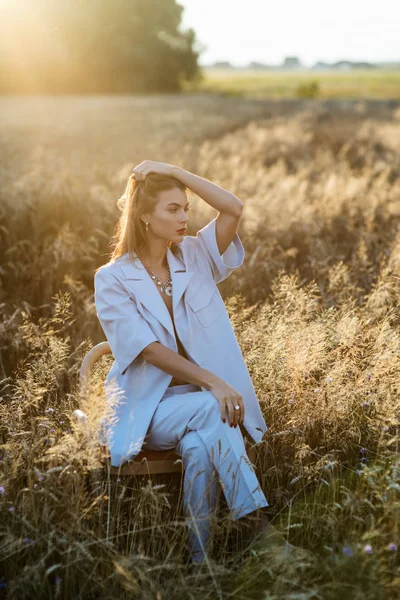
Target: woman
(184, 383)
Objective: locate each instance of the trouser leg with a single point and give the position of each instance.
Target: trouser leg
(227, 452)
(179, 414)
(200, 492)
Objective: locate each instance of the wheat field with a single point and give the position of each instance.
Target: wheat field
(315, 308)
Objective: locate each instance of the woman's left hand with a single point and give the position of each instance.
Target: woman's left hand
(151, 166)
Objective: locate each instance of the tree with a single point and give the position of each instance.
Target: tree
(95, 46)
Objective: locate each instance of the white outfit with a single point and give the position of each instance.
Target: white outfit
(133, 314)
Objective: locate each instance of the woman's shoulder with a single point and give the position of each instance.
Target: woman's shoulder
(114, 266)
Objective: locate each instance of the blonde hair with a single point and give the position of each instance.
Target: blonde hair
(139, 197)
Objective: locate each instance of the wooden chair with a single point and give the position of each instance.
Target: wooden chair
(147, 462)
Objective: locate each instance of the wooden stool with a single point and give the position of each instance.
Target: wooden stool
(147, 462)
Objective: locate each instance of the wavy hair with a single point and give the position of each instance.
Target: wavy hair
(139, 197)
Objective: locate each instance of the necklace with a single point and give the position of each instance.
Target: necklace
(166, 288)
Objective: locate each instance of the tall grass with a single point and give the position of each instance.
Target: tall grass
(315, 309)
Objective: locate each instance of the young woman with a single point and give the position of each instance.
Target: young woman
(184, 382)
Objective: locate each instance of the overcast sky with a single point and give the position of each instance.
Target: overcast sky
(367, 30)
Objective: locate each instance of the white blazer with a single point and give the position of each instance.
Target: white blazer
(133, 314)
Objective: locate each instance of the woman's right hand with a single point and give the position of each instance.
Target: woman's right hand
(228, 398)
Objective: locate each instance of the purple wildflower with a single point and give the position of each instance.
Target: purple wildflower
(368, 548)
(348, 551)
(49, 410)
(392, 546)
(2, 490)
(363, 450)
(358, 471)
(12, 508)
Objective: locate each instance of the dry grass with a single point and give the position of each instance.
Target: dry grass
(315, 308)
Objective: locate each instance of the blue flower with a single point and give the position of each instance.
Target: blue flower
(348, 551)
(392, 546)
(2, 490)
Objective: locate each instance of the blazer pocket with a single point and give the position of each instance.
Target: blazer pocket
(207, 305)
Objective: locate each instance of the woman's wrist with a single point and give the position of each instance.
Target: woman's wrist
(176, 171)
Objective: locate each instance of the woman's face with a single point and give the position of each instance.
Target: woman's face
(169, 216)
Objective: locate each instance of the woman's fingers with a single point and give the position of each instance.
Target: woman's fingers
(237, 417)
(222, 410)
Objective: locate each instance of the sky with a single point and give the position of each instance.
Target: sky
(312, 30)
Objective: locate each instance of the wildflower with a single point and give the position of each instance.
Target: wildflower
(364, 459)
(368, 548)
(369, 376)
(328, 379)
(35, 485)
(363, 450)
(49, 410)
(28, 540)
(392, 546)
(291, 400)
(358, 471)
(2, 490)
(11, 509)
(51, 430)
(348, 551)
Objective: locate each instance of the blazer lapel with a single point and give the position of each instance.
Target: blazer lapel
(141, 283)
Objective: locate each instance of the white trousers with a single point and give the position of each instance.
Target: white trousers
(188, 420)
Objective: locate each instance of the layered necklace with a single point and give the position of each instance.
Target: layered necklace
(166, 288)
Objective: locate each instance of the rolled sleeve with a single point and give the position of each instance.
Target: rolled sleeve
(126, 330)
(218, 266)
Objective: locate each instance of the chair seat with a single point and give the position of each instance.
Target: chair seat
(144, 463)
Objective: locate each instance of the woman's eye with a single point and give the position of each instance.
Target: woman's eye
(175, 209)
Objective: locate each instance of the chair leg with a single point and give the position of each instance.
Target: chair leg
(96, 478)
